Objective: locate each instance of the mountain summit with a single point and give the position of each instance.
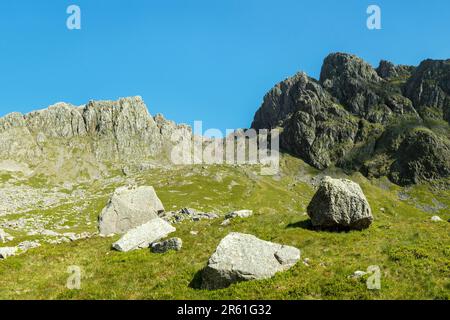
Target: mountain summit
(390, 121)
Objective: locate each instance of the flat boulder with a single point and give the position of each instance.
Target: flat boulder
(243, 257)
(129, 207)
(143, 235)
(340, 204)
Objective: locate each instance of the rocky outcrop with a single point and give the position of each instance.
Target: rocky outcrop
(167, 245)
(100, 131)
(143, 235)
(389, 71)
(356, 117)
(243, 257)
(339, 204)
(129, 207)
(239, 214)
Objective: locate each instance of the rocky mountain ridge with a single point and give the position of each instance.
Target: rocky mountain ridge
(99, 132)
(389, 121)
(392, 121)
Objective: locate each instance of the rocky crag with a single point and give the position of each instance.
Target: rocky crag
(390, 121)
(85, 140)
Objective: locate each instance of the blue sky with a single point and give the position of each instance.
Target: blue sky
(209, 60)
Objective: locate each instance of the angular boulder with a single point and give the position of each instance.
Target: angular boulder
(340, 204)
(129, 207)
(144, 235)
(242, 257)
(167, 245)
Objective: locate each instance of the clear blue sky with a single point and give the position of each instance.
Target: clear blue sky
(210, 60)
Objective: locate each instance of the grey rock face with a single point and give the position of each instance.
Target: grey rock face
(167, 245)
(290, 95)
(429, 87)
(5, 237)
(129, 208)
(340, 204)
(356, 117)
(142, 236)
(242, 257)
(387, 70)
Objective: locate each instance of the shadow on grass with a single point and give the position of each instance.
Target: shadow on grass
(196, 282)
(307, 224)
(304, 224)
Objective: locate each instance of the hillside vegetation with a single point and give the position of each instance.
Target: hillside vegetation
(412, 251)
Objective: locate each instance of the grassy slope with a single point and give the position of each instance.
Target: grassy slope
(412, 252)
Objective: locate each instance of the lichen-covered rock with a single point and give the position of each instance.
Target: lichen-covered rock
(143, 235)
(128, 208)
(242, 257)
(167, 245)
(5, 237)
(340, 204)
(239, 214)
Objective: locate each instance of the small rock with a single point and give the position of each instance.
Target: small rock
(194, 233)
(129, 207)
(142, 236)
(164, 246)
(225, 222)
(436, 219)
(5, 237)
(188, 211)
(6, 252)
(239, 214)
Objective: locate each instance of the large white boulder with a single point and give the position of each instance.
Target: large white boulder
(129, 207)
(144, 235)
(340, 204)
(241, 257)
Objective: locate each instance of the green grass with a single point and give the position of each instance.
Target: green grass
(412, 252)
